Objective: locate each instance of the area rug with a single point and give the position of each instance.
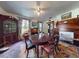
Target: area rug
(67, 52)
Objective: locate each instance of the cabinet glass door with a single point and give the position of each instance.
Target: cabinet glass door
(9, 26)
(13, 26)
(6, 27)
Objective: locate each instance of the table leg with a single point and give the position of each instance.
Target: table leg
(37, 51)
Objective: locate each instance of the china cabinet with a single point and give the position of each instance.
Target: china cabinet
(8, 30)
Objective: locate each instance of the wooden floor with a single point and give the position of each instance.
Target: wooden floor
(14, 51)
(18, 51)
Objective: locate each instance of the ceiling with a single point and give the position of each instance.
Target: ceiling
(49, 8)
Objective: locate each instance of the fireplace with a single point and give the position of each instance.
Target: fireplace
(67, 36)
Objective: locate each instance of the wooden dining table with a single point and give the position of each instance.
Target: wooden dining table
(39, 43)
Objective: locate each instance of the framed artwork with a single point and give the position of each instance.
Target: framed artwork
(35, 24)
(77, 16)
(67, 15)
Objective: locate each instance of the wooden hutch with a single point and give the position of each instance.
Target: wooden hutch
(8, 30)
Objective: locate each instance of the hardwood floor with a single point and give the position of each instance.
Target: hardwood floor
(18, 51)
(14, 51)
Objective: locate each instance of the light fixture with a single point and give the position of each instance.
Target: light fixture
(38, 11)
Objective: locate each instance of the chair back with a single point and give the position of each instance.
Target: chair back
(45, 37)
(35, 37)
(54, 37)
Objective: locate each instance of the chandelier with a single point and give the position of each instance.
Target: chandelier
(38, 11)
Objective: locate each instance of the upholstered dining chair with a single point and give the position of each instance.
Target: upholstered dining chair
(28, 49)
(26, 36)
(52, 45)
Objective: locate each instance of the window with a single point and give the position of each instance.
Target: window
(25, 25)
(40, 27)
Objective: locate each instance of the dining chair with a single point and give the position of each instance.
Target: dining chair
(52, 45)
(28, 42)
(28, 49)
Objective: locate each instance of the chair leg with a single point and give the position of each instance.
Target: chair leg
(56, 50)
(53, 52)
(27, 53)
(48, 55)
(35, 50)
(41, 51)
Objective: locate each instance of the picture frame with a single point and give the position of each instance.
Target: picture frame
(66, 16)
(35, 24)
(77, 16)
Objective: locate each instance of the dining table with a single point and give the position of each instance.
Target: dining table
(38, 43)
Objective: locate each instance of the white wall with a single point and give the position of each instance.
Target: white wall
(75, 12)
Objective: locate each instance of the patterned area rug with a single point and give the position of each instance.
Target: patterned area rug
(67, 52)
